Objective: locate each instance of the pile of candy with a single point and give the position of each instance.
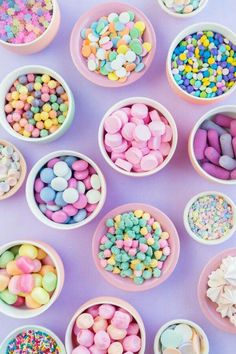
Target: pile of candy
(10, 168)
(28, 277)
(36, 105)
(204, 64)
(67, 190)
(180, 339)
(114, 46)
(23, 21)
(211, 217)
(182, 6)
(134, 246)
(106, 329)
(215, 146)
(137, 138)
(33, 341)
(222, 288)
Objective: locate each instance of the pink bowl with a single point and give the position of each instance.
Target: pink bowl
(92, 15)
(208, 307)
(170, 264)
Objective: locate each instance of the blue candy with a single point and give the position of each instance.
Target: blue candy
(47, 194)
(81, 215)
(47, 175)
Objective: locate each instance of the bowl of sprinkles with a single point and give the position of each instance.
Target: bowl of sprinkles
(201, 63)
(36, 104)
(210, 218)
(113, 44)
(29, 26)
(135, 247)
(183, 8)
(32, 339)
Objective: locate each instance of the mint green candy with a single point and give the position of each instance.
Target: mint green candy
(15, 250)
(100, 27)
(49, 281)
(136, 46)
(147, 274)
(7, 297)
(43, 133)
(112, 56)
(61, 119)
(138, 280)
(156, 273)
(134, 33)
(131, 15)
(55, 106)
(5, 258)
(109, 223)
(63, 107)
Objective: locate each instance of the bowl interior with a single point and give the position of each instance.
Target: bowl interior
(30, 190)
(169, 265)
(93, 15)
(6, 85)
(184, 15)
(152, 104)
(208, 307)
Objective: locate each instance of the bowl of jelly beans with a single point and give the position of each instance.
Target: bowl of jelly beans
(183, 8)
(12, 169)
(135, 247)
(181, 336)
(201, 63)
(28, 27)
(106, 325)
(212, 145)
(137, 137)
(31, 278)
(36, 104)
(65, 190)
(113, 44)
(210, 218)
(40, 340)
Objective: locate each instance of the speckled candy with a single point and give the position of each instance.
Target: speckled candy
(182, 6)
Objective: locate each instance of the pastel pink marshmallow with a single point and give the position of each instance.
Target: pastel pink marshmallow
(132, 343)
(128, 243)
(115, 156)
(148, 162)
(157, 128)
(133, 328)
(158, 156)
(116, 333)
(120, 320)
(115, 348)
(112, 124)
(25, 264)
(107, 253)
(93, 310)
(99, 324)
(85, 321)
(142, 133)
(139, 110)
(95, 350)
(13, 285)
(137, 121)
(132, 252)
(125, 165)
(165, 149)
(119, 243)
(26, 283)
(167, 136)
(113, 140)
(107, 311)
(139, 144)
(122, 114)
(128, 131)
(80, 350)
(102, 340)
(154, 116)
(133, 155)
(85, 337)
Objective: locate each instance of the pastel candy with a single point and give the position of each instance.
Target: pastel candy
(223, 120)
(4, 281)
(227, 162)
(47, 268)
(19, 302)
(25, 264)
(113, 140)
(128, 131)
(85, 337)
(171, 351)
(125, 165)
(154, 115)
(226, 145)
(132, 343)
(216, 171)
(157, 128)
(234, 145)
(170, 338)
(233, 174)
(139, 110)
(13, 286)
(142, 133)
(212, 155)
(49, 281)
(102, 340)
(60, 169)
(167, 136)
(12, 268)
(94, 350)
(31, 303)
(133, 155)
(59, 216)
(209, 124)
(133, 328)
(120, 320)
(115, 348)
(28, 251)
(94, 310)
(116, 333)
(187, 348)
(106, 311)
(200, 143)
(148, 162)
(84, 321)
(59, 184)
(5, 258)
(213, 139)
(112, 124)
(26, 283)
(40, 295)
(99, 324)
(80, 350)
(233, 128)
(185, 331)
(80, 165)
(7, 297)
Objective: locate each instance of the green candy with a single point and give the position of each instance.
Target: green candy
(55, 106)
(134, 33)
(38, 79)
(63, 107)
(108, 244)
(43, 133)
(156, 273)
(141, 256)
(131, 15)
(147, 274)
(7, 297)
(138, 280)
(49, 281)
(53, 98)
(100, 27)
(136, 46)
(15, 250)
(5, 258)
(61, 119)
(112, 56)
(109, 267)
(109, 223)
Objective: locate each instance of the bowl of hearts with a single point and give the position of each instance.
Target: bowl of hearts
(108, 61)
(39, 338)
(212, 145)
(21, 39)
(141, 257)
(137, 137)
(31, 278)
(65, 190)
(13, 169)
(181, 336)
(216, 291)
(108, 325)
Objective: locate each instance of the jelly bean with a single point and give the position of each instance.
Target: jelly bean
(227, 162)
(208, 124)
(226, 145)
(222, 120)
(200, 143)
(212, 155)
(213, 139)
(216, 171)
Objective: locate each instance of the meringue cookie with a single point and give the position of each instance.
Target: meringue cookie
(216, 279)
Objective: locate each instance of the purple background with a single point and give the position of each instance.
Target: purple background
(169, 190)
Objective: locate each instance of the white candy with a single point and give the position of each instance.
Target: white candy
(130, 56)
(12, 181)
(81, 187)
(15, 156)
(104, 40)
(61, 169)
(70, 195)
(95, 182)
(111, 17)
(92, 65)
(68, 175)
(116, 65)
(93, 38)
(121, 72)
(7, 151)
(121, 58)
(93, 196)
(124, 17)
(4, 187)
(101, 54)
(3, 169)
(185, 331)
(53, 207)
(59, 184)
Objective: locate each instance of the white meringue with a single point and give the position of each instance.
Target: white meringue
(216, 279)
(230, 274)
(226, 262)
(215, 293)
(229, 296)
(225, 310)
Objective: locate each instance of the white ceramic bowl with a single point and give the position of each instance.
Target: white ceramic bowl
(25, 313)
(19, 330)
(42, 41)
(226, 110)
(203, 26)
(193, 235)
(30, 190)
(99, 301)
(153, 104)
(35, 69)
(201, 6)
(199, 330)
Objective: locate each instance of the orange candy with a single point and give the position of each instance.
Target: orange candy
(47, 268)
(30, 303)
(12, 268)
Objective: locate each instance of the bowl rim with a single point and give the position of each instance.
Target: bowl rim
(49, 250)
(21, 329)
(200, 26)
(126, 284)
(55, 11)
(212, 265)
(201, 7)
(198, 328)
(153, 104)
(23, 167)
(30, 188)
(36, 69)
(106, 300)
(78, 60)
(224, 109)
(193, 235)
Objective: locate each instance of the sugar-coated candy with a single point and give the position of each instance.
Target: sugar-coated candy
(85, 321)
(182, 6)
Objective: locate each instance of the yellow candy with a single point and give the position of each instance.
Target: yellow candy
(230, 60)
(15, 95)
(143, 231)
(153, 263)
(37, 279)
(138, 213)
(183, 56)
(112, 77)
(165, 235)
(46, 78)
(40, 295)
(111, 261)
(234, 63)
(211, 60)
(26, 134)
(146, 216)
(30, 303)
(117, 218)
(13, 103)
(52, 84)
(188, 68)
(150, 241)
(37, 86)
(48, 124)
(30, 99)
(156, 225)
(37, 117)
(23, 90)
(206, 43)
(44, 115)
(158, 254)
(55, 121)
(126, 237)
(46, 107)
(147, 46)
(23, 294)
(140, 25)
(28, 251)
(12, 268)
(203, 38)
(122, 49)
(116, 270)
